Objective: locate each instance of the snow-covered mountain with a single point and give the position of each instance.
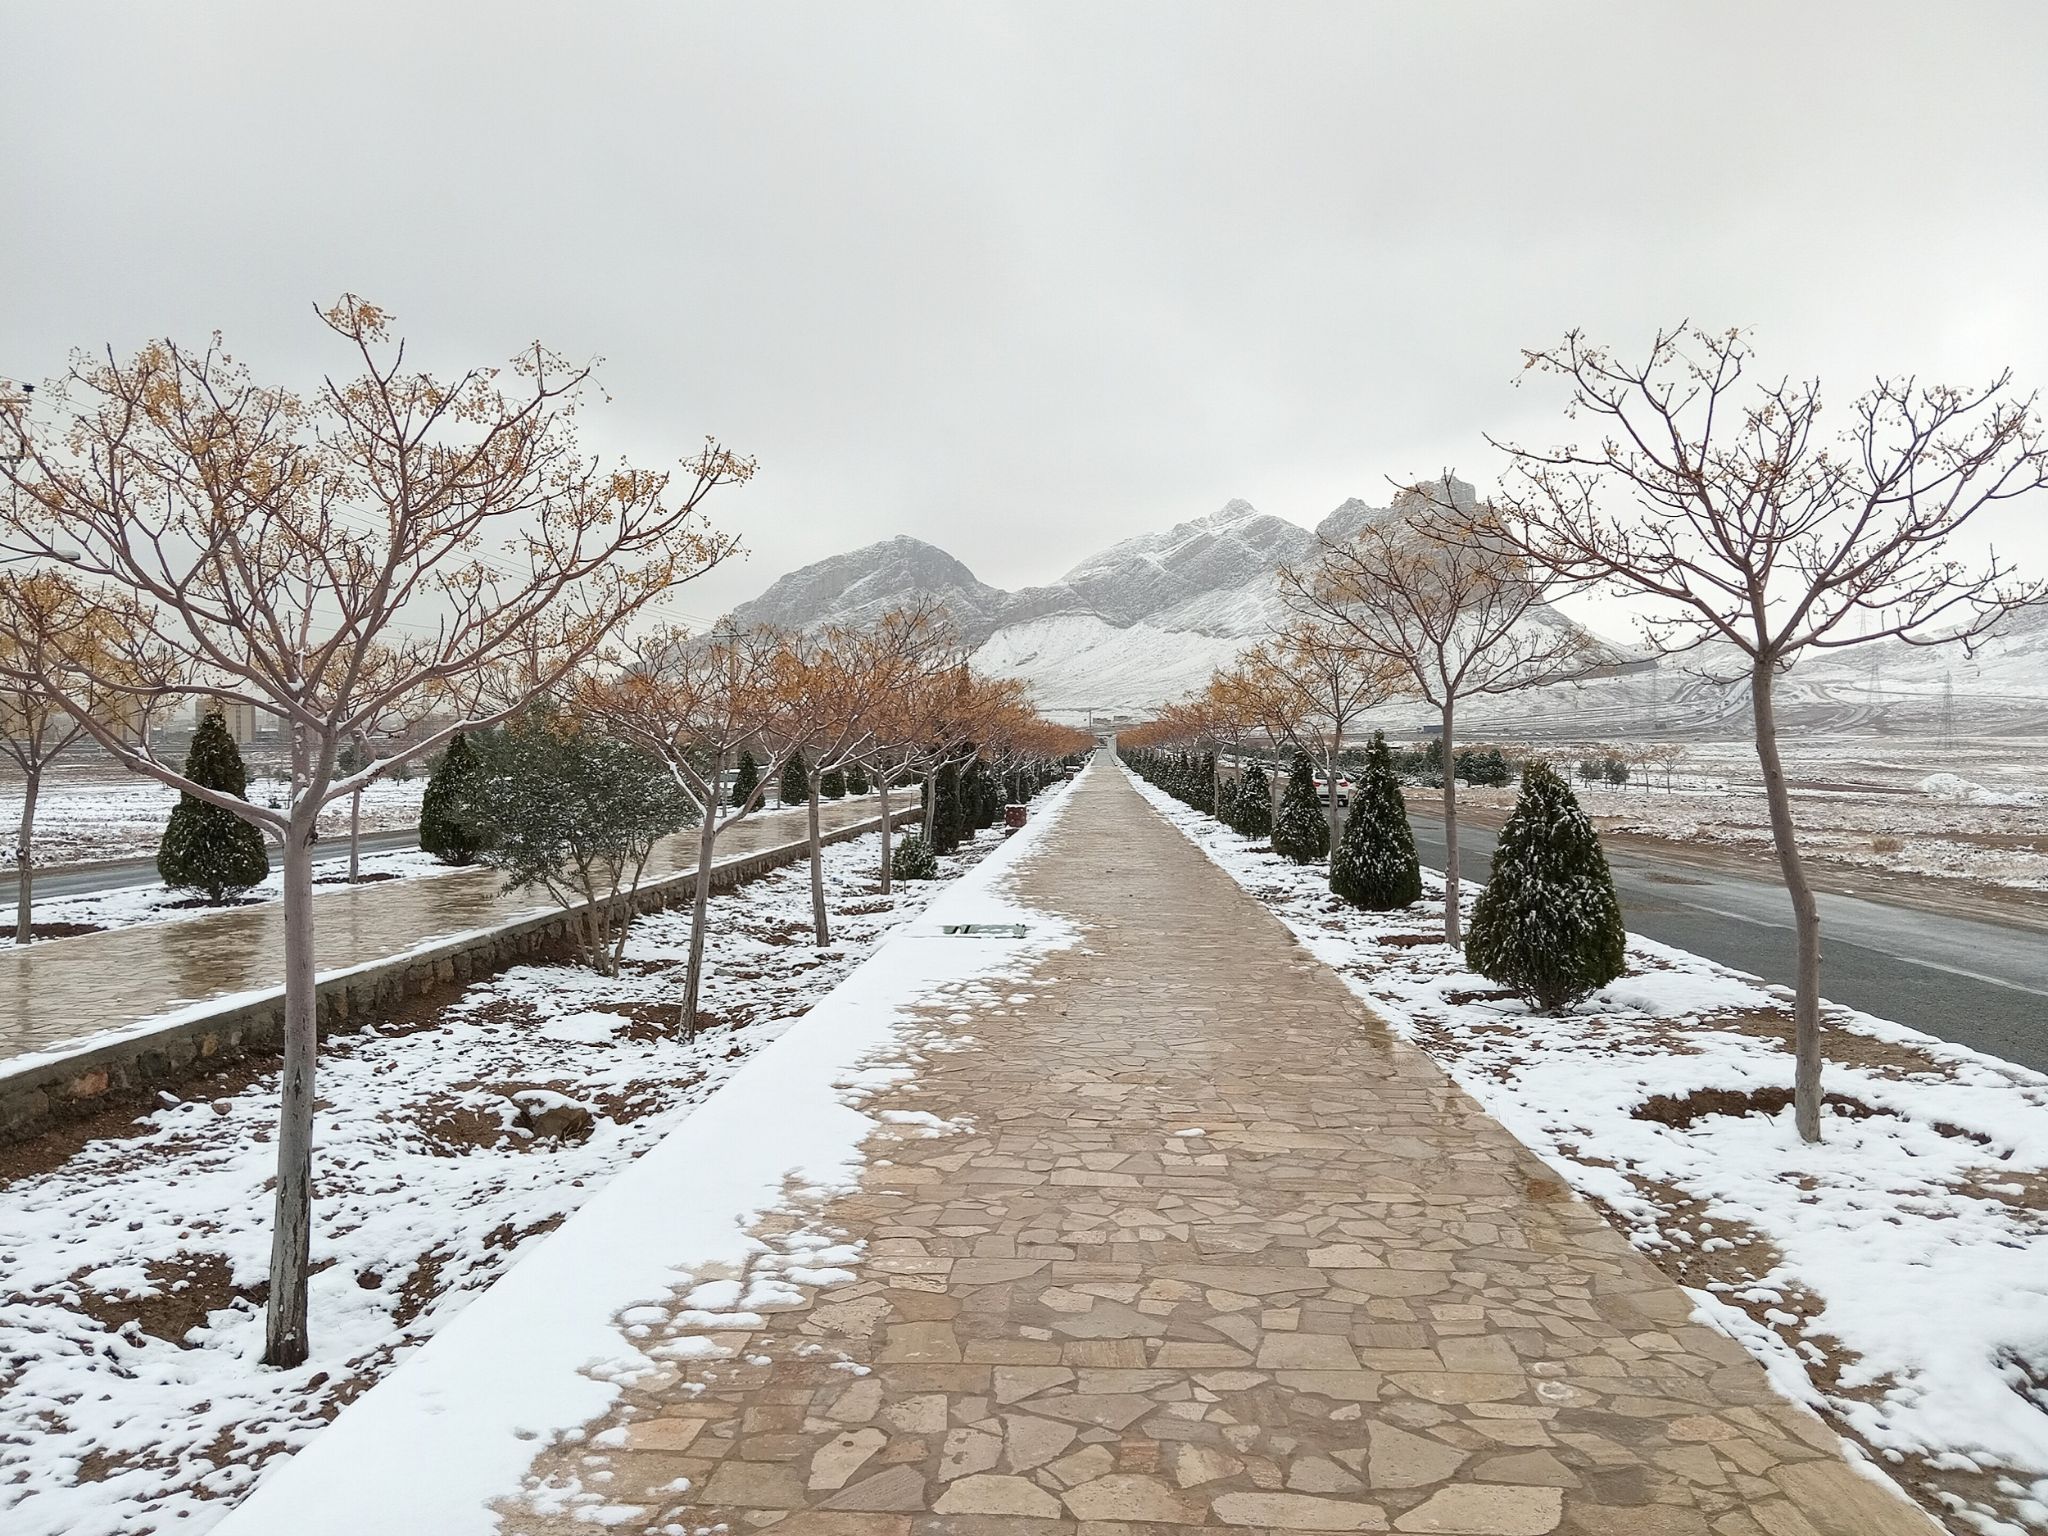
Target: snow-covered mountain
(864, 584)
(1149, 619)
(1144, 621)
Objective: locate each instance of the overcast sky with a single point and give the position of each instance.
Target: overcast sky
(1022, 280)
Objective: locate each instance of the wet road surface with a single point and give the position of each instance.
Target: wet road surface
(1979, 983)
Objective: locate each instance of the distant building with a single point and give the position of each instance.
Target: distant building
(247, 723)
(123, 719)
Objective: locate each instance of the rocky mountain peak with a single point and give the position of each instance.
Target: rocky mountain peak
(863, 584)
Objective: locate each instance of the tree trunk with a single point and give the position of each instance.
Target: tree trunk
(1805, 910)
(628, 900)
(931, 803)
(882, 788)
(285, 1336)
(700, 909)
(24, 852)
(819, 923)
(1453, 926)
(1335, 815)
(355, 835)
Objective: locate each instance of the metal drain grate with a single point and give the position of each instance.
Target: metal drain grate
(985, 930)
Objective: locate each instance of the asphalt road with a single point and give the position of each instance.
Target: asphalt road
(119, 874)
(1979, 983)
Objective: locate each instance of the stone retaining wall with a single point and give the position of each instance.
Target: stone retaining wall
(94, 1078)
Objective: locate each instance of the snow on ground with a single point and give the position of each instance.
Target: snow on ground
(157, 903)
(97, 813)
(130, 1397)
(1894, 1277)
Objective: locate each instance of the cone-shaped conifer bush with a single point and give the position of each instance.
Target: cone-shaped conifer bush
(1300, 833)
(856, 779)
(796, 780)
(1547, 923)
(832, 785)
(1374, 865)
(992, 797)
(746, 778)
(205, 848)
(1226, 802)
(949, 822)
(454, 821)
(1254, 804)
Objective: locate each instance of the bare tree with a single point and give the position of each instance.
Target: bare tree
(695, 703)
(1435, 590)
(325, 556)
(842, 681)
(44, 617)
(902, 715)
(1336, 681)
(1749, 528)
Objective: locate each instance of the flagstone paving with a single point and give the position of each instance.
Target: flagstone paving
(1211, 1250)
(65, 989)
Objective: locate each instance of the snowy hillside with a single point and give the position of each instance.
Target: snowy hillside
(1139, 623)
(862, 585)
(1149, 619)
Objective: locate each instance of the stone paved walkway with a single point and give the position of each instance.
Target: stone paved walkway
(68, 988)
(1215, 1251)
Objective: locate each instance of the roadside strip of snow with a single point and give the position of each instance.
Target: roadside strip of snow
(539, 1354)
(1893, 1276)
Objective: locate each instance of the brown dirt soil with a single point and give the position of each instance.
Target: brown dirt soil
(1839, 1046)
(1478, 995)
(183, 1290)
(370, 879)
(63, 930)
(1682, 1111)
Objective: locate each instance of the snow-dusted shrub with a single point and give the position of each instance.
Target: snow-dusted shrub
(1226, 802)
(1548, 924)
(1374, 864)
(949, 822)
(744, 781)
(914, 860)
(1254, 804)
(1300, 833)
(454, 823)
(578, 812)
(206, 848)
(795, 788)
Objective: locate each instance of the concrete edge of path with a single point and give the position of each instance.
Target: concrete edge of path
(458, 1423)
(40, 1089)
